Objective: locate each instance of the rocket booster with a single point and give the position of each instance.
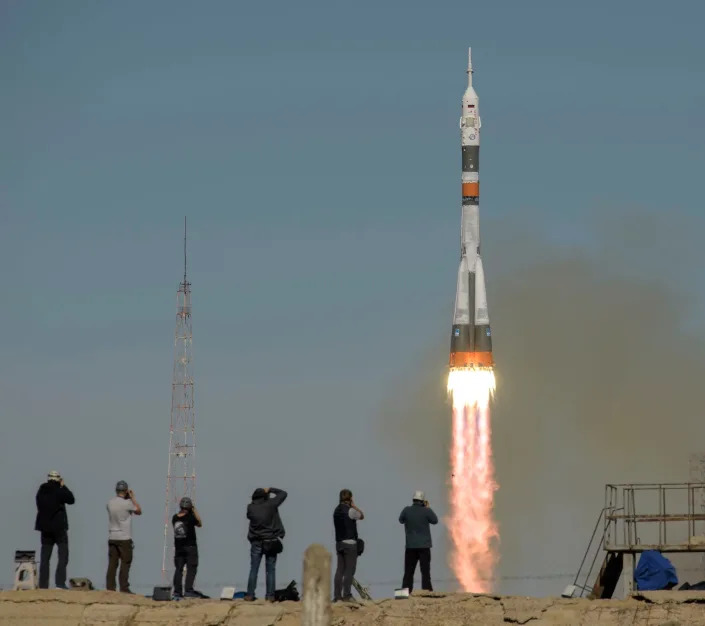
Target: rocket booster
(471, 341)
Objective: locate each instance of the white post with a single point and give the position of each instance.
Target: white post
(316, 587)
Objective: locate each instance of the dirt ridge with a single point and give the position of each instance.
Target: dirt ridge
(104, 608)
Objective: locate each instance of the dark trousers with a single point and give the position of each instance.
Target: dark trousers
(270, 565)
(411, 557)
(61, 539)
(119, 552)
(185, 556)
(347, 562)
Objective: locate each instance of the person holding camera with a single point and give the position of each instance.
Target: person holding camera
(184, 524)
(53, 524)
(121, 508)
(417, 519)
(345, 518)
(264, 534)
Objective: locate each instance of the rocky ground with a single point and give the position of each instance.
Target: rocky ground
(104, 608)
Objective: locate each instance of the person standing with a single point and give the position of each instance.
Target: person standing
(121, 508)
(53, 524)
(264, 534)
(345, 518)
(417, 519)
(184, 524)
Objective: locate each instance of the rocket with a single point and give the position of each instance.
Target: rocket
(471, 338)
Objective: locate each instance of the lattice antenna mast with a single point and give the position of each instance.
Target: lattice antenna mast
(181, 472)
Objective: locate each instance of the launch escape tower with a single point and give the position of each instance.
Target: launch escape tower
(181, 472)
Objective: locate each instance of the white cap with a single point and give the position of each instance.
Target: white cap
(419, 495)
(54, 475)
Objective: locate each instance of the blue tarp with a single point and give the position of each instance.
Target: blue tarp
(654, 572)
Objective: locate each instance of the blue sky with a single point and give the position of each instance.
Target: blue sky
(314, 149)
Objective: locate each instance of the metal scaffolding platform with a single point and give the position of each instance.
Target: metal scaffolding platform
(668, 517)
(654, 516)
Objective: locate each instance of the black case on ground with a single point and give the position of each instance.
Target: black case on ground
(161, 593)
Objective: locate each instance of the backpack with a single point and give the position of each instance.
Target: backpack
(290, 593)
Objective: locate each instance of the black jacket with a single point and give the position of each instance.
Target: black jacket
(263, 514)
(345, 528)
(416, 519)
(51, 500)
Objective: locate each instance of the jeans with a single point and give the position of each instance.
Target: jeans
(119, 551)
(411, 557)
(61, 539)
(347, 562)
(188, 556)
(270, 564)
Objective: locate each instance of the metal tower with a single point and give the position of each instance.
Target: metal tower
(181, 473)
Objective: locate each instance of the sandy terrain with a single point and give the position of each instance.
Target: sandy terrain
(102, 608)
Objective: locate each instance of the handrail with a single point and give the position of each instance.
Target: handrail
(639, 486)
(657, 517)
(592, 566)
(653, 520)
(587, 550)
(583, 587)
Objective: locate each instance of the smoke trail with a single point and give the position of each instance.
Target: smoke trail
(600, 365)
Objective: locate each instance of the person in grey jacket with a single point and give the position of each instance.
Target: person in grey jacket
(417, 519)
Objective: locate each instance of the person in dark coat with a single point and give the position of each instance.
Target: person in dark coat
(264, 534)
(53, 524)
(345, 518)
(417, 519)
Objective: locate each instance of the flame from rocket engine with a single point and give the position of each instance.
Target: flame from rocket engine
(472, 527)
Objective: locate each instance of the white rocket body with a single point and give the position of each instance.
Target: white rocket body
(471, 343)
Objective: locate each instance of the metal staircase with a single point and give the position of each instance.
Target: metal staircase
(610, 570)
